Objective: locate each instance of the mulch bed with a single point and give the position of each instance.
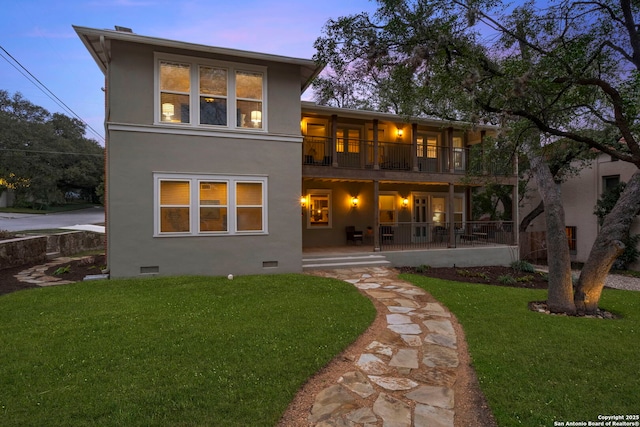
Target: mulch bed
(493, 275)
(78, 269)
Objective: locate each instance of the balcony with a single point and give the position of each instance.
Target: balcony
(391, 156)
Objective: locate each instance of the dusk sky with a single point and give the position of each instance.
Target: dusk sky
(38, 34)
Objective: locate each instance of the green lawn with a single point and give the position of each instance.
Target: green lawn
(170, 351)
(536, 369)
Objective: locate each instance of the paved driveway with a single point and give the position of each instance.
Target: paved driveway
(19, 222)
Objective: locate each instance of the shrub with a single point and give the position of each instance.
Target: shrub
(524, 266)
(422, 268)
(467, 273)
(61, 270)
(507, 279)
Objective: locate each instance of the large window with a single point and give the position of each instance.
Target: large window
(210, 205)
(319, 211)
(427, 146)
(210, 93)
(388, 209)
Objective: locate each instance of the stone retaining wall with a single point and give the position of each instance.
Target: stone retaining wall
(29, 250)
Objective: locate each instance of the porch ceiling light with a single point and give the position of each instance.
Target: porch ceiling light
(354, 201)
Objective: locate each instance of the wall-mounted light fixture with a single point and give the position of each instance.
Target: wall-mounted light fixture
(400, 132)
(405, 203)
(355, 201)
(303, 202)
(168, 111)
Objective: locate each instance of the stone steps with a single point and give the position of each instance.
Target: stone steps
(333, 261)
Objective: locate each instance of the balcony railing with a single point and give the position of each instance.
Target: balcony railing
(429, 235)
(360, 154)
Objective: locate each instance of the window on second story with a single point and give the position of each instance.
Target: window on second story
(210, 93)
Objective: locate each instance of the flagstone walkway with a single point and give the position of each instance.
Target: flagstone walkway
(405, 376)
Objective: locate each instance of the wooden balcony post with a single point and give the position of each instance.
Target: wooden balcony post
(450, 214)
(414, 147)
(376, 147)
(334, 140)
(376, 215)
(452, 167)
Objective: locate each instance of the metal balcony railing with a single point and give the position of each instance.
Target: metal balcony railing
(429, 235)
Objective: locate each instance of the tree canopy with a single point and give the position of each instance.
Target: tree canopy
(544, 72)
(45, 157)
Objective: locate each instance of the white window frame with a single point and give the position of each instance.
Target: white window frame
(395, 196)
(194, 94)
(194, 206)
(320, 192)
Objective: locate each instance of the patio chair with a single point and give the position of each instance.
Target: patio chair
(353, 235)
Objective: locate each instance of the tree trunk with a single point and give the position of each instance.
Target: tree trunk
(607, 247)
(560, 294)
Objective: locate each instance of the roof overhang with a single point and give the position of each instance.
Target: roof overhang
(312, 107)
(98, 43)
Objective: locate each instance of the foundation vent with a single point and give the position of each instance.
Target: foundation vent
(150, 270)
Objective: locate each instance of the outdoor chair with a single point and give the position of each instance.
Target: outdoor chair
(353, 235)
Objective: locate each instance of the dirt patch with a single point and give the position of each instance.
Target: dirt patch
(76, 271)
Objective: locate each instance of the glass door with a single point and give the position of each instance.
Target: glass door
(420, 232)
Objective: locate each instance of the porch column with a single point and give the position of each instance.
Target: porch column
(376, 148)
(414, 146)
(452, 226)
(452, 167)
(334, 137)
(376, 215)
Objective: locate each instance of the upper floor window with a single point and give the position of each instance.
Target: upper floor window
(210, 93)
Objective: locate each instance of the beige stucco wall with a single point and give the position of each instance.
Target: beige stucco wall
(579, 195)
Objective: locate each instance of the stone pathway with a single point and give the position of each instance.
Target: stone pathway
(36, 275)
(405, 376)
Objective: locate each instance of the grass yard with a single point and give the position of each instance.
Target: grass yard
(181, 351)
(536, 369)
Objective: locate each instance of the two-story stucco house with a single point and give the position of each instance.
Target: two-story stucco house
(215, 166)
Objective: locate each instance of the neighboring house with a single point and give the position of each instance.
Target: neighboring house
(211, 170)
(580, 195)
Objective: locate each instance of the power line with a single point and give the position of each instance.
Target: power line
(44, 89)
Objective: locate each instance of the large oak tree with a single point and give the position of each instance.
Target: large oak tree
(544, 72)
